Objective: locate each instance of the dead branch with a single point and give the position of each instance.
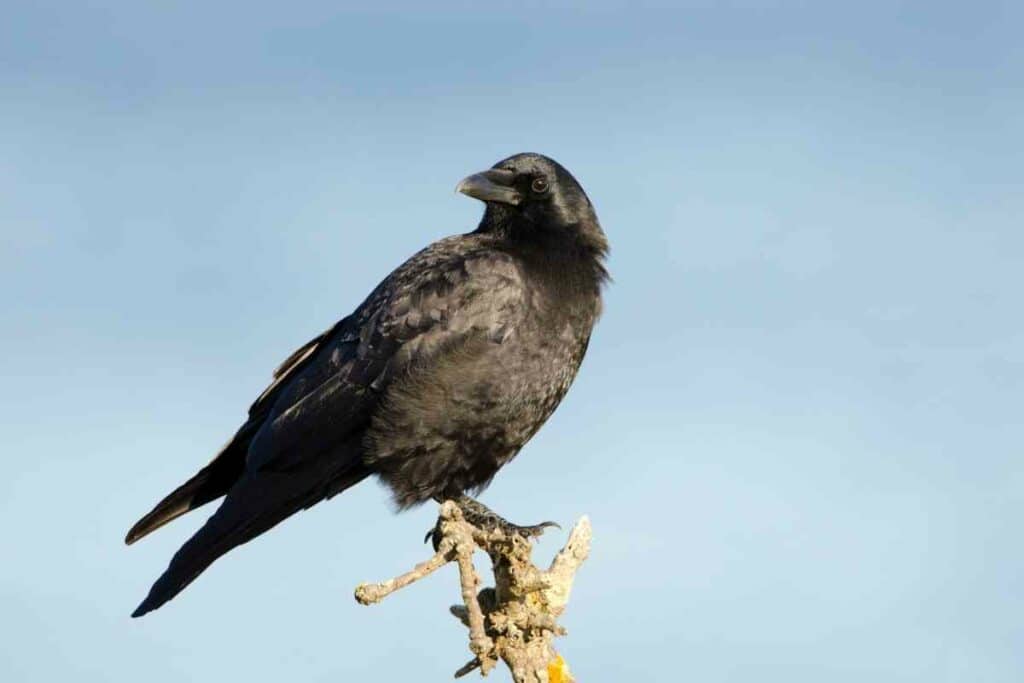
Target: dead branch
(516, 620)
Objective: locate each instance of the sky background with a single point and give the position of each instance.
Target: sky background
(798, 429)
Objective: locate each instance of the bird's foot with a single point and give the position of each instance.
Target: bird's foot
(528, 531)
(482, 517)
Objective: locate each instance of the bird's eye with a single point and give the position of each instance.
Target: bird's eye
(539, 185)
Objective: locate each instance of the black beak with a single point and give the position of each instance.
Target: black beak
(494, 185)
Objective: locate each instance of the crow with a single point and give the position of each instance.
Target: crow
(435, 381)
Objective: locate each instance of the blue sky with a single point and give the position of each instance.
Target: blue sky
(798, 429)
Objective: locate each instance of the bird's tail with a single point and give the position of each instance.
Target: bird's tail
(254, 505)
(210, 483)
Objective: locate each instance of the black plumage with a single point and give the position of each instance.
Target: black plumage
(435, 381)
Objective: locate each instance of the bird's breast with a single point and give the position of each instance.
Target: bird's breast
(449, 426)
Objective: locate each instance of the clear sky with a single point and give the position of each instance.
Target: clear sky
(798, 430)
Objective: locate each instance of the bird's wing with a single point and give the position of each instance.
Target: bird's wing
(327, 389)
(427, 307)
(220, 474)
(288, 369)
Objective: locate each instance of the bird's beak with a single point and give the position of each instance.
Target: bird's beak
(494, 185)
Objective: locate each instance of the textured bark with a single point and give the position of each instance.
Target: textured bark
(516, 621)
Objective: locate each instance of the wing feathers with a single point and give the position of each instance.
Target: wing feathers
(210, 483)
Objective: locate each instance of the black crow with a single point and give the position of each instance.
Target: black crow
(435, 381)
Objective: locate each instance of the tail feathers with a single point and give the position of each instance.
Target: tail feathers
(256, 504)
(210, 483)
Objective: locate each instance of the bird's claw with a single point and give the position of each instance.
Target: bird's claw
(532, 531)
(527, 532)
(434, 537)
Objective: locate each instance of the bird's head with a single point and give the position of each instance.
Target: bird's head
(530, 196)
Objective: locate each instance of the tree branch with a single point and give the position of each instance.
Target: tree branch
(516, 621)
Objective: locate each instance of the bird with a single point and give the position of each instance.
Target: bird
(436, 381)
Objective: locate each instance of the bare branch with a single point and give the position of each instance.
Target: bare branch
(371, 593)
(516, 621)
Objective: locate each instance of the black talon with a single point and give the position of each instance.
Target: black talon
(434, 536)
(536, 530)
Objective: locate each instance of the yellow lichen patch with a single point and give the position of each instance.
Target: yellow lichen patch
(558, 671)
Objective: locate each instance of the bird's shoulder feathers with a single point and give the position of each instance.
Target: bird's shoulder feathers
(456, 288)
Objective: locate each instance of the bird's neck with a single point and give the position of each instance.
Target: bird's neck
(571, 258)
